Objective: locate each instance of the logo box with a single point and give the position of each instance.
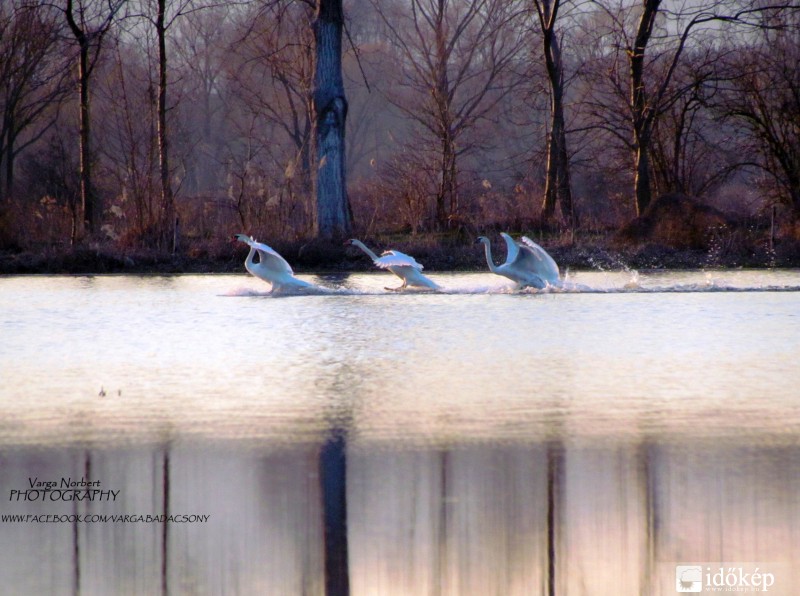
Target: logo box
(689, 578)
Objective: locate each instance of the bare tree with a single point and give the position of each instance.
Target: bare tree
(127, 122)
(692, 152)
(201, 52)
(162, 15)
(89, 21)
(645, 56)
(271, 79)
(761, 96)
(32, 70)
(456, 66)
(643, 110)
(169, 222)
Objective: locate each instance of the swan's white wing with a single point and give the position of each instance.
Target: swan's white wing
(546, 267)
(271, 259)
(268, 256)
(513, 249)
(530, 260)
(395, 258)
(413, 277)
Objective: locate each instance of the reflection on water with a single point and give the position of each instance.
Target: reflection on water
(262, 536)
(585, 442)
(472, 520)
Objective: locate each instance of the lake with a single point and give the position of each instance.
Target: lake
(621, 436)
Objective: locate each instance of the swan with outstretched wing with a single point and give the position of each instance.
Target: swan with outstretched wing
(402, 265)
(527, 263)
(272, 268)
(545, 266)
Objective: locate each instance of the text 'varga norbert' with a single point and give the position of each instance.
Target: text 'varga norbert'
(66, 489)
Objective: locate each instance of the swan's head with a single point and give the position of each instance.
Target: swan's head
(482, 239)
(241, 237)
(350, 242)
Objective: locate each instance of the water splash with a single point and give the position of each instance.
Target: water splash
(633, 283)
(611, 282)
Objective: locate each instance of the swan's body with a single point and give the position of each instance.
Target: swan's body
(527, 263)
(402, 265)
(272, 268)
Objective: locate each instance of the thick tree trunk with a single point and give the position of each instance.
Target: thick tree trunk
(9, 162)
(557, 186)
(334, 217)
(642, 113)
(641, 183)
(564, 184)
(447, 195)
(86, 215)
(90, 210)
(168, 220)
(550, 185)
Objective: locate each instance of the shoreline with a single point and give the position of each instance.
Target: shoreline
(332, 258)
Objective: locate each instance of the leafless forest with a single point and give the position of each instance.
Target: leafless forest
(169, 125)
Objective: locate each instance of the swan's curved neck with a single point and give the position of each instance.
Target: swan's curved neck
(249, 260)
(488, 250)
(363, 247)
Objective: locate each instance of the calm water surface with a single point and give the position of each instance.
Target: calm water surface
(575, 442)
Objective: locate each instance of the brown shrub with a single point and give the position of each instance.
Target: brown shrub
(677, 221)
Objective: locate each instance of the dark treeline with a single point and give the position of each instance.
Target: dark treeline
(154, 124)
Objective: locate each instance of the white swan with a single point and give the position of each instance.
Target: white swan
(402, 265)
(527, 263)
(272, 268)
